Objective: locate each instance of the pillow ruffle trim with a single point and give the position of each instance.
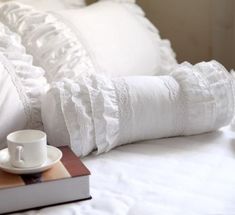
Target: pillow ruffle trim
(105, 112)
(27, 79)
(65, 56)
(207, 99)
(167, 55)
(70, 53)
(90, 110)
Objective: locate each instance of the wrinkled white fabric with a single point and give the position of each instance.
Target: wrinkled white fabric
(51, 4)
(211, 83)
(104, 113)
(21, 86)
(54, 46)
(67, 43)
(190, 175)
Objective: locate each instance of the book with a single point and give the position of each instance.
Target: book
(67, 181)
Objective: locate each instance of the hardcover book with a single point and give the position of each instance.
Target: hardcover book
(66, 181)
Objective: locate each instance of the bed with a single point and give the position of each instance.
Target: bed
(177, 175)
(183, 175)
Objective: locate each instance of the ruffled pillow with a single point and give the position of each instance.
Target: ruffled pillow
(21, 86)
(125, 44)
(54, 46)
(102, 113)
(67, 43)
(52, 4)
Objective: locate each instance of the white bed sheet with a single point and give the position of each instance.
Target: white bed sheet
(186, 175)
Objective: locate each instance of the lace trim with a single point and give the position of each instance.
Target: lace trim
(76, 108)
(19, 88)
(125, 109)
(173, 87)
(105, 112)
(222, 90)
(195, 99)
(207, 96)
(27, 79)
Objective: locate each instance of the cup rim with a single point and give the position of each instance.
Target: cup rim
(40, 136)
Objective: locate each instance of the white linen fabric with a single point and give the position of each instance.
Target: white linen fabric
(125, 43)
(21, 85)
(51, 4)
(70, 42)
(104, 113)
(173, 176)
(54, 46)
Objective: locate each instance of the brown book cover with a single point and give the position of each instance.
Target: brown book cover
(67, 181)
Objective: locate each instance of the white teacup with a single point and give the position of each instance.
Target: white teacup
(27, 148)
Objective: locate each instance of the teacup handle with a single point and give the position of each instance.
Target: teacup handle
(18, 154)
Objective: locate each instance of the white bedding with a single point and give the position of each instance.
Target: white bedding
(185, 175)
(72, 42)
(96, 112)
(51, 4)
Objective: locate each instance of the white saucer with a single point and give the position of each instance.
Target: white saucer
(53, 156)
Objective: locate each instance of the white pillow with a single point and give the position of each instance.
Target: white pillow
(125, 43)
(67, 43)
(51, 4)
(104, 113)
(21, 85)
(54, 46)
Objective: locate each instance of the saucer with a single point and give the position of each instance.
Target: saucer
(53, 156)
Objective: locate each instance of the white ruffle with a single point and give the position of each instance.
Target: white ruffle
(207, 99)
(93, 99)
(102, 113)
(28, 79)
(76, 107)
(66, 56)
(222, 87)
(52, 44)
(90, 111)
(105, 109)
(167, 55)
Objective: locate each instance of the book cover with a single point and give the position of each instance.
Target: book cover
(54, 186)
